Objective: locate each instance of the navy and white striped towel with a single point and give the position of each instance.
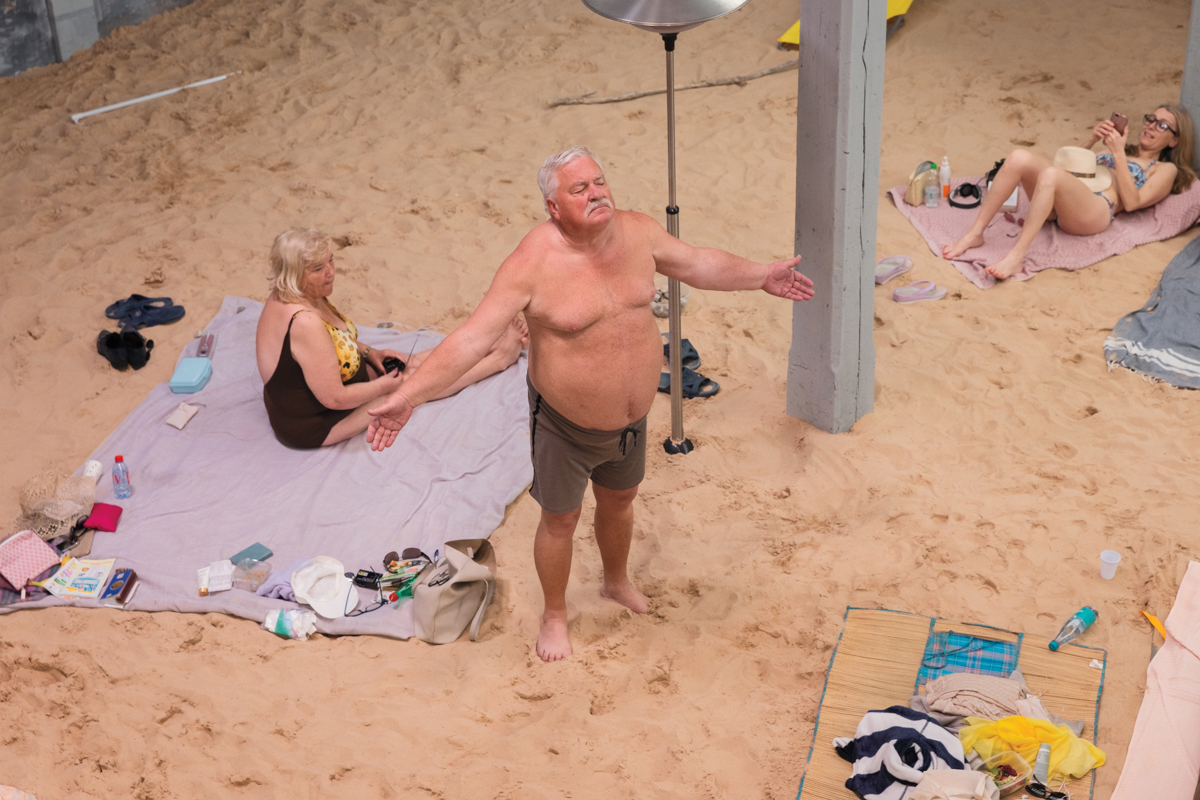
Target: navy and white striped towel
(892, 749)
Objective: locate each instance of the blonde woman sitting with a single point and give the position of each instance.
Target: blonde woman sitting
(1085, 202)
(318, 379)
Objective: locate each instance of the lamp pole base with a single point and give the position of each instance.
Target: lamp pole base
(676, 448)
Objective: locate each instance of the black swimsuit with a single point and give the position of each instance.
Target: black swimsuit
(297, 416)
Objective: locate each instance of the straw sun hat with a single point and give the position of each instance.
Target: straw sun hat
(1081, 162)
(51, 504)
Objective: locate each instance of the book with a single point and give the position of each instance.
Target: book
(80, 578)
(120, 589)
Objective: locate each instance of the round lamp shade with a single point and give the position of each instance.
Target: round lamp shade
(664, 16)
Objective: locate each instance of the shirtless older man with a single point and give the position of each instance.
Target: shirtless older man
(585, 281)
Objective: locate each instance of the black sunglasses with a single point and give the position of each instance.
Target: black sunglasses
(1161, 124)
(1038, 790)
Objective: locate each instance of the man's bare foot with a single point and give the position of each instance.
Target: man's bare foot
(1006, 267)
(967, 242)
(553, 643)
(627, 596)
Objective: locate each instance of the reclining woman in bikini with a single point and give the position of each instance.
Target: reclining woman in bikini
(318, 379)
(1160, 163)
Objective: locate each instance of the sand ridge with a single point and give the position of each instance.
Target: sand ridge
(1000, 459)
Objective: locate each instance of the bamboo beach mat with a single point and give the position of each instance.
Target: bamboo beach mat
(876, 664)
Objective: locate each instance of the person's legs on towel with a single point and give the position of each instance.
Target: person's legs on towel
(1020, 167)
(504, 354)
(1076, 209)
(1052, 193)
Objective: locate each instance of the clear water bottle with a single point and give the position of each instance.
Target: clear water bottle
(121, 488)
(933, 190)
(1079, 622)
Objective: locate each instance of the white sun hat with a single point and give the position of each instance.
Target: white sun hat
(322, 584)
(1081, 162)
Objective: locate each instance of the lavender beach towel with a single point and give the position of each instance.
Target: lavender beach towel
(222, 483)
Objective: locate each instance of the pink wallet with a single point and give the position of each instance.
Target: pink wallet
(104, 517)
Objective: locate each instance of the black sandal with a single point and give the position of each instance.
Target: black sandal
(137, 348)
(112, 346)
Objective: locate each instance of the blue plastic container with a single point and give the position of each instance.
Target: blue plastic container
(190, 375)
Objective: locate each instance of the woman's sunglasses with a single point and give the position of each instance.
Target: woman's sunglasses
(1038, 790)
(1160, 124)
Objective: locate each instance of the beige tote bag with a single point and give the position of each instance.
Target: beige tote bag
(455, 592)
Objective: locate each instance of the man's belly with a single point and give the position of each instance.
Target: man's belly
(602, 379)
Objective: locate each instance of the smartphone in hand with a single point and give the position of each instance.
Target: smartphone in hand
(1119, 122)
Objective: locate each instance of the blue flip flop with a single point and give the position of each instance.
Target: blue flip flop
(693, 383)
(138, 311)
(690, 356)
(122, 308)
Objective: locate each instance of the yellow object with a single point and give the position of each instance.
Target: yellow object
(791, 39)
(1158, 626)
(1070, 756)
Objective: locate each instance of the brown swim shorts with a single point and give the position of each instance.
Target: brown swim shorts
(565, 455)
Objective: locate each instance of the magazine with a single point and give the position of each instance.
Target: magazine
(80, 578)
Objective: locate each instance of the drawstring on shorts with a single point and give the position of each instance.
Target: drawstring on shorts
(630, 429)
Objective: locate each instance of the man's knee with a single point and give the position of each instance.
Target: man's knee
(560, 525)
(614, 499)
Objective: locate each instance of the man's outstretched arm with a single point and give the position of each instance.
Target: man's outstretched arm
(710, 268)
(456, 354)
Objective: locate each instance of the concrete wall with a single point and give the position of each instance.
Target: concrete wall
(115, 14)
(26, 39)
(38, 32)
(1189, 93)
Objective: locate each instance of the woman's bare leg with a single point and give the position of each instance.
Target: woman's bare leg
(1079, 212)
(504, 354)
(1020, 167)
(352, 424)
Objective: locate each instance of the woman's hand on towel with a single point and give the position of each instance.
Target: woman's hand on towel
(387, 420)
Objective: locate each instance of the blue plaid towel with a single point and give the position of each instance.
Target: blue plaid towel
(947, 652)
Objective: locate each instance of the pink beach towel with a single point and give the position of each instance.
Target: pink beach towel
(1163, 762)
(1051, 249)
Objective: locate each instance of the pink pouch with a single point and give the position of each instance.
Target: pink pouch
(104, 517)
(24, 556)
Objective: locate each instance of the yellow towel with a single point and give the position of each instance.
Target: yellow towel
(1070, 756)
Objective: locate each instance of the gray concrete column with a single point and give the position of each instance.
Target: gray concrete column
(76, 25)
(831, 365)
(26, 40)
(1189, 93)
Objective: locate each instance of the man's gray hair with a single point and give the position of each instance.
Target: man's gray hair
(548, 175)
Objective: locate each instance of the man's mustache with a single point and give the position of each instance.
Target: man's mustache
(594, 204)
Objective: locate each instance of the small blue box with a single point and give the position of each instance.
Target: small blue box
(190, 375)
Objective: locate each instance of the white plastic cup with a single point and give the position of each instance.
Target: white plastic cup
(1109, 560)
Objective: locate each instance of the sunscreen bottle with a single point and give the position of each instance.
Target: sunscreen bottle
(944, 175)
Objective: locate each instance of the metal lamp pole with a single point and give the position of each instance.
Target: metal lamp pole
(669, 18)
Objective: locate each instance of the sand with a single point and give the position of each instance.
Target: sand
(1000, 459)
